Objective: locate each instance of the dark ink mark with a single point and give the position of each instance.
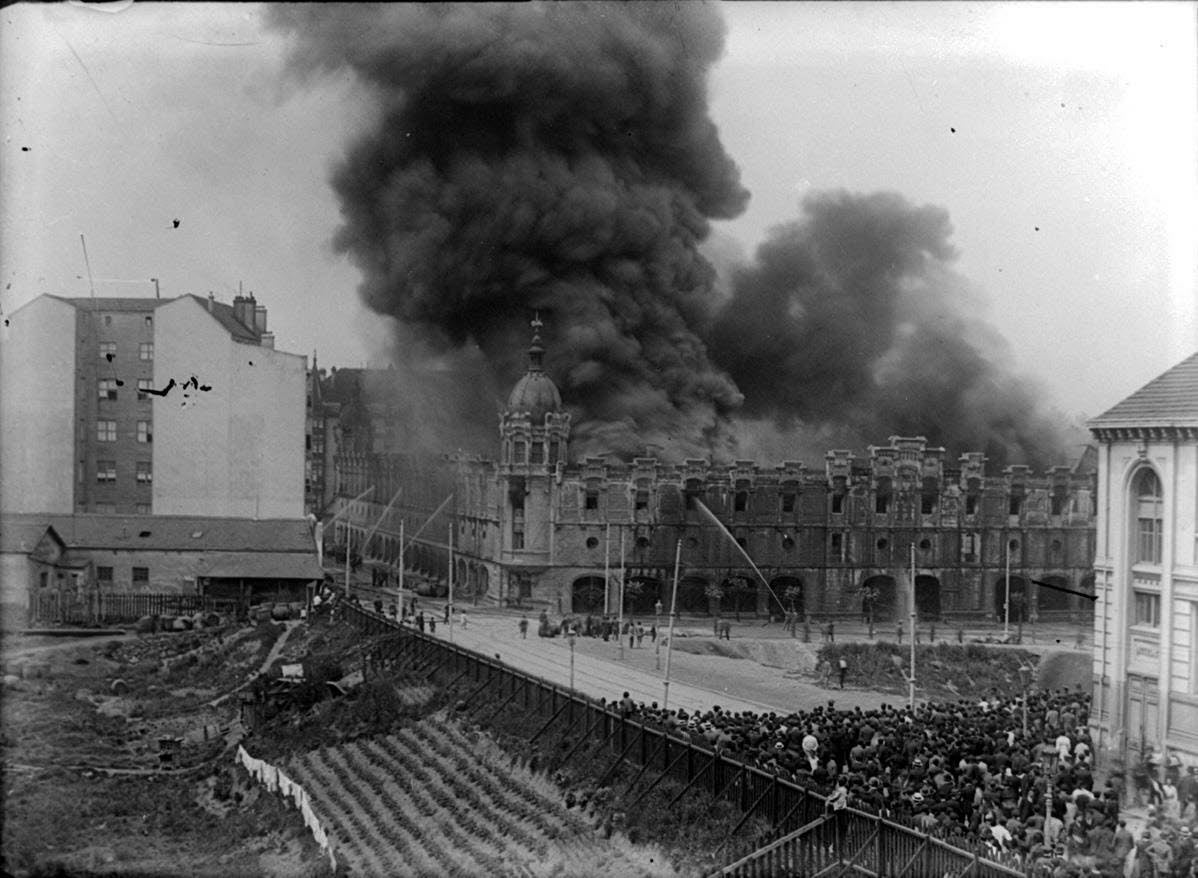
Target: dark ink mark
(24, 149)
(1037, 228)
(205, 387)
(109, 357)
(6, 323)
(953, 130)
(120, 383)
(164, 391)
(251, 362)
(176, 223)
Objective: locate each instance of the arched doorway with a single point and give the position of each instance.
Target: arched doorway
(879, 593)
(1019, 599)
(927, 598)
(1051, 603)
(738, 595)
(587, 594)
(692, 595)
(789, 590)
(641, 594)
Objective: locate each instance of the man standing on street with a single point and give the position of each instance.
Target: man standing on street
(844, 670)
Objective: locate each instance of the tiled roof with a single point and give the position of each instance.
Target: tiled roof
(1169, 400)
(260, 565)
(228, 319)
(164, 533)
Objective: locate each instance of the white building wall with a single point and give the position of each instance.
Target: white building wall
(37, 408)
(236, 450)
(1126, 653)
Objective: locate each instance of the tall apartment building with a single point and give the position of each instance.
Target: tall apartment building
(149, 406)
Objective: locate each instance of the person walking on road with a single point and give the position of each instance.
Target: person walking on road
(523, 627)
(844, 670)
(825, 672)
(463, 618)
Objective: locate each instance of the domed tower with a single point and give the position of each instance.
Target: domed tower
(533, 432)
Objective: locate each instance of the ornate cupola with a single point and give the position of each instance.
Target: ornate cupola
(533, 428)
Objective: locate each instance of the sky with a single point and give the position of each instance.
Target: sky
(1060, 138)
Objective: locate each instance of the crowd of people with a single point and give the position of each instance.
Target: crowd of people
(970, 773)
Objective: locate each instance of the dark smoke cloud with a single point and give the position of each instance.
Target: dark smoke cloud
(559, 157)
(543, 156)
(850, 325)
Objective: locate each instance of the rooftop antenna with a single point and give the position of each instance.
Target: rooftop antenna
(154, 281)
(91, 283)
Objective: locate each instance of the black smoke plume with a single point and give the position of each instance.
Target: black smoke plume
(851, 326)
(559, 157)
(555, 157)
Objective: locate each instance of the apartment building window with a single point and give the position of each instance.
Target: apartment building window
(105, 431)
(104, 575)
(788, 501)
(1149, 518)
(641, 500)
(592, 499)
(1147, 609)
(149, 320)
(142, 509)
(108, 350)
(740, 502)
(145, 351)
(537, 454)
(1015, 500)
(145, 433)
(107, 388)
(143, 385)
(141, 575)
(105, 471)
(1060, 498)
(106, 509)
(519, 451)
(145, 472)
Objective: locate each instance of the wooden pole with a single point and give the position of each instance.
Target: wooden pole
(665, 700)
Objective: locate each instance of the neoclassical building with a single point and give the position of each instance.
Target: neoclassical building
(1146, 569)
(537, 526)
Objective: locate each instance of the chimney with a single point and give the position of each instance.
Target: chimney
(243, 310)
(259, 319)
(268, 340)
(211, 299)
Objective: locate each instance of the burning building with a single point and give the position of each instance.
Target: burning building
(536, 528)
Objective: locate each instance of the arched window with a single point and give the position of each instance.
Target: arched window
(1149, 519)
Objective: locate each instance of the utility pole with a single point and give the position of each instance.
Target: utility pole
(911, 693)
(665, 700)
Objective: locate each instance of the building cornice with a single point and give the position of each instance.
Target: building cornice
(1162, 432)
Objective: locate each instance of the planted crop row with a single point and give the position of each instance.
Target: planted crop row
(367, 833)
(454, 756)
(375, 791)
(441, 839)
(465, 825)
(349, 831)
(471, 807)
(509, 794)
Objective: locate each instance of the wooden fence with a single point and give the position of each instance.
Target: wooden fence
(68, 608)
(806, 843)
